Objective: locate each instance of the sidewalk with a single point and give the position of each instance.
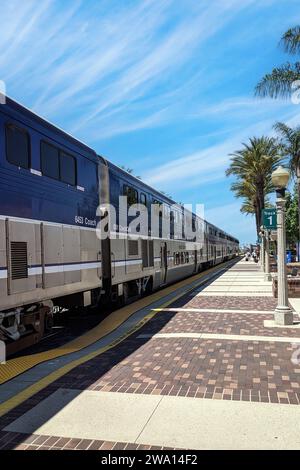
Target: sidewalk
(209, 371)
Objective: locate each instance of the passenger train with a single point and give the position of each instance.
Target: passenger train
(51, 189)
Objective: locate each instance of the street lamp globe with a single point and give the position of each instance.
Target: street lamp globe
(280, 177)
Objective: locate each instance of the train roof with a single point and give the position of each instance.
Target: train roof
(142, 185)
(30, 115)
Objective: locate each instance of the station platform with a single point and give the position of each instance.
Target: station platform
(200, 365)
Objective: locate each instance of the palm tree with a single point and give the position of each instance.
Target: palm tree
(252, 166)
(279, 81)
(290, 140)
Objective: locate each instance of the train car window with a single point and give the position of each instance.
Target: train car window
(133, 247)
(145, 258)
(172, 227)
(160, 224)
(132, 195)
(143, 199)
(151, 253)
(67, 169)
(49, 160)
(147, 253)
(17, 146)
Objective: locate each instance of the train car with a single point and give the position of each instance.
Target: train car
(48, 201)
(141, 263)
(54, 191)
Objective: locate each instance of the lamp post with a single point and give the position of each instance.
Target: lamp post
(283, 314)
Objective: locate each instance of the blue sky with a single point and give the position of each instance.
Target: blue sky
(164, 87)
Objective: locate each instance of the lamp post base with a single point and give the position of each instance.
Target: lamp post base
(283, 316)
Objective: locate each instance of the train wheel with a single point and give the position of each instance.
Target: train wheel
(49, 322)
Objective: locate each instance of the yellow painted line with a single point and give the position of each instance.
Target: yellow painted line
(42, 383)
(17, 366)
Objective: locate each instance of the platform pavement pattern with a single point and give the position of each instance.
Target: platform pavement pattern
(181, 377)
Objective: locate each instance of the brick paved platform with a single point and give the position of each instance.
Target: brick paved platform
(261, 371)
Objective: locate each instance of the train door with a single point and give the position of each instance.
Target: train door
(164, 262)
(207, 249)
(195, 261)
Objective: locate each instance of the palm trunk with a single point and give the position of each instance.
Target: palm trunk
(257, 220)
(260, 203)
(298, 192)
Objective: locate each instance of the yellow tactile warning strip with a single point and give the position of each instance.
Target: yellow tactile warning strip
(38, 386)
(21, 364)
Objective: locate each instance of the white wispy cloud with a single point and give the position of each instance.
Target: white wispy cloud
(209, 164)
(81, 64)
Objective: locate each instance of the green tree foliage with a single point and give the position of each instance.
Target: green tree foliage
(292, 220)
(290, 141)
(252, 167)
(278, 82)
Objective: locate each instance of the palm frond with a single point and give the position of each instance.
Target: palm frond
(247, 208)
(290, 142)
(279, 81)
(283, 129)
(291, 40)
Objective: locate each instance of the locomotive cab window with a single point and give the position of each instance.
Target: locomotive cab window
(49, 160)
(67, 169)
(17, 146)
